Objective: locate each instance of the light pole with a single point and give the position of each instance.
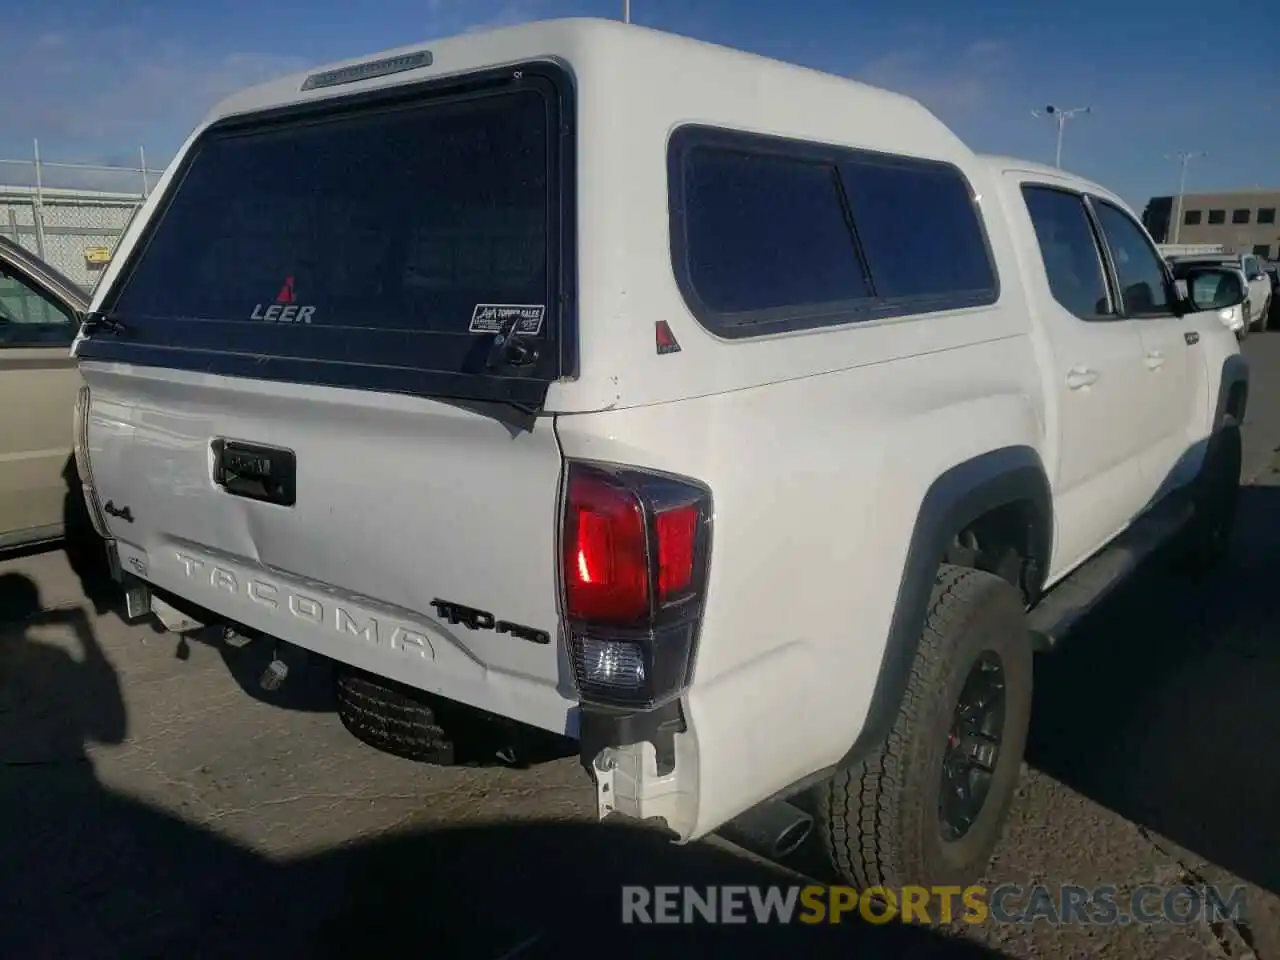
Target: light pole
(1061, 117)
(1183, 158)
(626, 11)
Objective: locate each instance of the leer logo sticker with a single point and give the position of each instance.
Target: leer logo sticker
(285, 309)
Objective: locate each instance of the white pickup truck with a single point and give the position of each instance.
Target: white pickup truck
(730, 419)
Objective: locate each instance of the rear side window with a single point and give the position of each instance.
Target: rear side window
(919, 228)
(771, 235)
(396, 237)
(767, 232)
(1069, 249)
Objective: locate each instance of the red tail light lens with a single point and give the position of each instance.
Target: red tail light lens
(606, 567)
(636, 553)
(677, 544)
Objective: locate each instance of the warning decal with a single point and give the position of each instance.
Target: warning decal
(491, 317)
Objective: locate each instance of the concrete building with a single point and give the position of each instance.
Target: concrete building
(1243, 222)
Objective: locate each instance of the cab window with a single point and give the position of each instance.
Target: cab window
(30, 316)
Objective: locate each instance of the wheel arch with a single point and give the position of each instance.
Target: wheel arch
(1008, 478)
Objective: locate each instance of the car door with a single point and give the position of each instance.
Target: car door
(1173, 383)
(1259, 288)
(38, 385)
(1095, 362)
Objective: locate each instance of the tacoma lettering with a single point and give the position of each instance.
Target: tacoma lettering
(348, 624)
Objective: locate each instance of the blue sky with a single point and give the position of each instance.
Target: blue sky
(101, 79)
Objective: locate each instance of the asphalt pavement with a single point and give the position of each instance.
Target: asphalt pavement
(155, 802)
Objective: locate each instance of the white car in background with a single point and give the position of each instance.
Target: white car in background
(1253, 312)
(1233, 318)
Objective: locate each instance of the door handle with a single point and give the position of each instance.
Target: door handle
(1078, 377)
(1155, 360)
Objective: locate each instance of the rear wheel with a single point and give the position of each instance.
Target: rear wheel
(928, 807)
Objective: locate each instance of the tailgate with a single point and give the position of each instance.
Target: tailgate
(407, 515)
(317, 382)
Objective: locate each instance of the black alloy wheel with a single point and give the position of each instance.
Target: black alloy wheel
(973, 747)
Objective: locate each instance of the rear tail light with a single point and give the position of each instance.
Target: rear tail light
(80, 435)
(636, 549)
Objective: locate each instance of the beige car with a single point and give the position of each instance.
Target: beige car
(40, 311)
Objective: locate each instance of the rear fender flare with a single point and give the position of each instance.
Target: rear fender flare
(953, 501)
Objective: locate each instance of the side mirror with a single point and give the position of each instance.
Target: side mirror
(1214, 288)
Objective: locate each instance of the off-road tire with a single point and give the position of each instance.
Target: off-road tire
(1206, 540)
(880, 820)
(389, 718)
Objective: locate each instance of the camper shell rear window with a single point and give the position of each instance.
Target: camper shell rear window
(370, 243)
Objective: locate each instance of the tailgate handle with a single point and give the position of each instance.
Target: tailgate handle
(255, 472)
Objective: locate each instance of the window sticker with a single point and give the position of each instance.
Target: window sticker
(491, 317)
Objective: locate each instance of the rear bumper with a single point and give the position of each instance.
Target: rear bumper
(601, 729)
(113, 561)
(643, 765)
(693, 764)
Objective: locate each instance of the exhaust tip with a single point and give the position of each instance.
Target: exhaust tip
(773, 830)
(793, 837)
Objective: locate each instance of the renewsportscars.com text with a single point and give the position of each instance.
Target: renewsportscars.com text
(1008, 903)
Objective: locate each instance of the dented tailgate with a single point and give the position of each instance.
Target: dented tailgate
(420, 543)
(316, 384)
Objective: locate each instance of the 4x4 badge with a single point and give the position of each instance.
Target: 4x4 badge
(123, 513)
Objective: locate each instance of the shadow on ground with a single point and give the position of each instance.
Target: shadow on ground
(1163, 706)
(88, 873)
(85, 550)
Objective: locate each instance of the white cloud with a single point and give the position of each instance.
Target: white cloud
(95, 96)
(948, 81)
(469, 16)
(92, 95)
(508, 16)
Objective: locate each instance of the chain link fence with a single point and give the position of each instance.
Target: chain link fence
(71, 214)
